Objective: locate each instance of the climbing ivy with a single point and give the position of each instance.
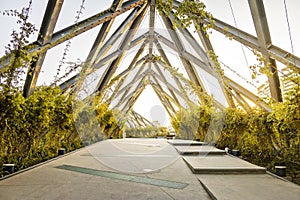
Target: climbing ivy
(264, 138)
(188, 12)
(34, 128)
(267, 138)
(17, 56)
(147, 132)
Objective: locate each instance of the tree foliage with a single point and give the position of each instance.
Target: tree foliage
(33, 129)
(17, 55)
(267, 138)
(264, 138)
(186, 13)
(147, 132)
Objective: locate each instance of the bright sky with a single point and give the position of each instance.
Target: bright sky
(229, 52)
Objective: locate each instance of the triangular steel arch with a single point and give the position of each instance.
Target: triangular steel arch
(153, 43)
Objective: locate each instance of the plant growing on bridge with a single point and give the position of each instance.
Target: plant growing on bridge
(34, 128)
(17, 56)
(148, 132)
(267, 138)
(186, 13)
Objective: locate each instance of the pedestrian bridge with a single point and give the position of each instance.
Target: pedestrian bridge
(147, 169)
(113, 54)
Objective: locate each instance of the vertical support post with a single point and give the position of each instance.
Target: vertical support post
(151, 26)
(162, 94)
(164, 103)
(130, 68)
(102, 34)
(124, 47)
(208, 47)
(44, 37)
(264, 40)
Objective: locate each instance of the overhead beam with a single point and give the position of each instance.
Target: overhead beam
(187, 65)
(163, 101)
(185, 54)
(134, 96)
(179, 93)
(170, 100)
(102, 62)
(141, 72)
(163, 95)
(249, 95)
(251, 41)
(163, 79)
(165, 58)
(193, 43)
(44, 36)
(89, 23)
(240, 100)
(213, 63)
(136, 65)
(76, 29)
(123, 47)
(117, 34)
(124, 104)
(69, 83)
(234, 85)
(244, 103)
(129, 69)
(264, 40)
(137, 120)
(73, 80)
(141, 118)
(132, 123)
(128, 87)
(102, 35)
(151, 26)
(138, 40)
(125, 90)
(178, 83)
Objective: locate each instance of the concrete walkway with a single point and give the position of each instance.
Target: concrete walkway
(141, 169)
(55, 181)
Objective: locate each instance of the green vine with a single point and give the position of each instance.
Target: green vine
(34, 128)
(187, 12)
(267, 138)
(16, 52)
(148, 132)
(194, 121)
(263, 67)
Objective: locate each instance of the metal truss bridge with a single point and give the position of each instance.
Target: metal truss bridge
(136, 46)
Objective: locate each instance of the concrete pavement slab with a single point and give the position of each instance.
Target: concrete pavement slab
(134, 155)
(220, 164)
(49, 182)
(179, 142)
(83, 175)
(199, 150)
(249, 187)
